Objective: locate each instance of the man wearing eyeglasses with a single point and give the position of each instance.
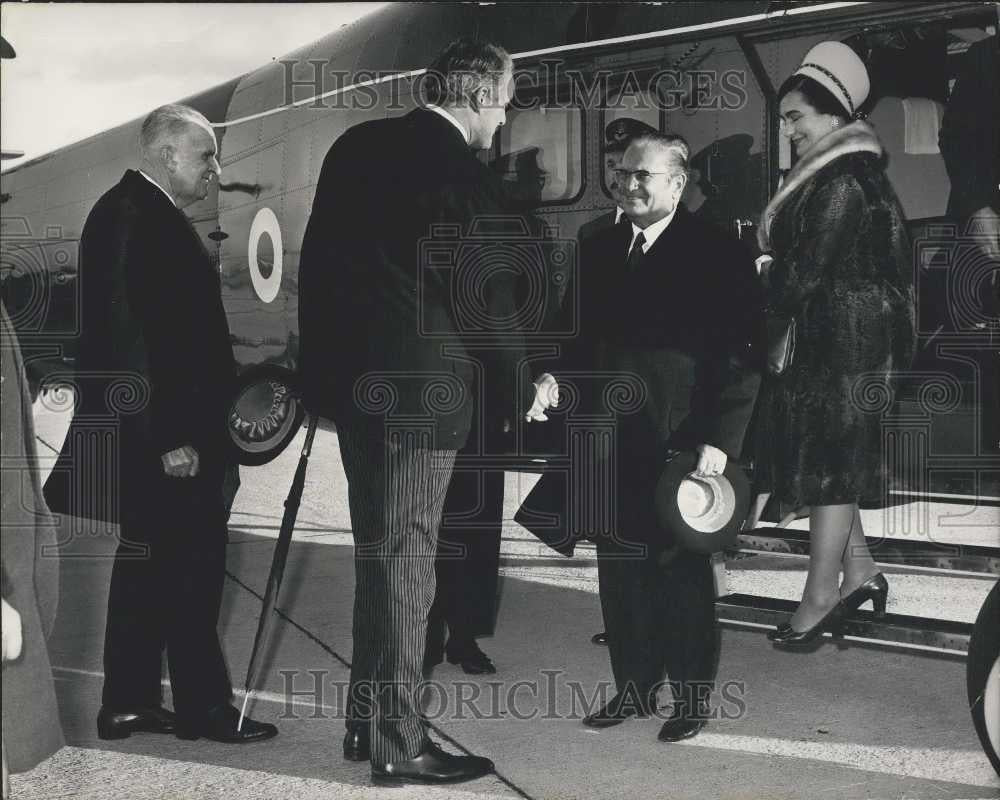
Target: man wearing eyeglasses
(617, 135)
(672, 300)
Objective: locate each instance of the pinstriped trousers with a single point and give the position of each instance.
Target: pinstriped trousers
(396, 491)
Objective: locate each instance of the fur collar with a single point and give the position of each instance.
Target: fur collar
(857, 137)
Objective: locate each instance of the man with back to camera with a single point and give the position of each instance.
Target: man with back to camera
(154, 326)
(670, 299)
(384, 354)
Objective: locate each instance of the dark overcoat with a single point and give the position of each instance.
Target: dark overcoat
(395, 288)
(409, 315)
(662, 362)
(663, 356)
(155, 367)
(843, 271)
(31, 729)
(683, 324)
(970, 132)
(155, 372)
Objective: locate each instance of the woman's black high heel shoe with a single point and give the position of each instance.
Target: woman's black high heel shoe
(787, 636)
(780, 632)
(876, 589)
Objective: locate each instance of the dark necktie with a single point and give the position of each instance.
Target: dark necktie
(635, 255)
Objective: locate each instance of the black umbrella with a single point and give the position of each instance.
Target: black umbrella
(266, 624)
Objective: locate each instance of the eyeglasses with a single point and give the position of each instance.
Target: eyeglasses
(643, 176)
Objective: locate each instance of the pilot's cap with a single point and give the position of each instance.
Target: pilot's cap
(839, 70)
(620, 132)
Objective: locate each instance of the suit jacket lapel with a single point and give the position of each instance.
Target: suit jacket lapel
(622, 240)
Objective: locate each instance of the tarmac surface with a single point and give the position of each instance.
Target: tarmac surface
(846, 721)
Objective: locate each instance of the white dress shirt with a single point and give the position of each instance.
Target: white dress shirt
(652, 233)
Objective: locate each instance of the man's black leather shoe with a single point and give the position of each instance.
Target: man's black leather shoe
(122, 724)
(600, 638)
(473, 662)
(617, 710)
(357, 741)
(432, 765)
(681, 725)
(219, 725)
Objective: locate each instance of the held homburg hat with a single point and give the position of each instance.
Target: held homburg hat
(265, 414)
(838, 69)
(702, 514)
(619, 133)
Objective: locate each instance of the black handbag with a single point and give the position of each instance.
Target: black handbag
(780, 343)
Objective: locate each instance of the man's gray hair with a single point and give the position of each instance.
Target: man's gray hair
(168, 122)
(675, 147)
(462, 68)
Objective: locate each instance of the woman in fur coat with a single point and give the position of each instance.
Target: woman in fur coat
(842, 271)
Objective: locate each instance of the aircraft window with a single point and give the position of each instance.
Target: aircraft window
(541, 155)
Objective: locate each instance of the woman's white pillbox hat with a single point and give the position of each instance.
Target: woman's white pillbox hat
(836, 67)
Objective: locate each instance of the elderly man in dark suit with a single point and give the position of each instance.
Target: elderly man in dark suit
(671, 304)
(618, 134)
(155, 360)
(389, 312)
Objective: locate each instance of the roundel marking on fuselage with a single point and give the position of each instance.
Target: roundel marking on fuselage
(265, 223)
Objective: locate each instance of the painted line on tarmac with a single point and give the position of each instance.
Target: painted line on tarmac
(509, 783)
(282, 700)
(91, 774)
(264, 697)
(968, 767)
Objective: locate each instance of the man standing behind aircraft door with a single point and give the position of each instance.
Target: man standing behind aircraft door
(384, 336)
(155, 357)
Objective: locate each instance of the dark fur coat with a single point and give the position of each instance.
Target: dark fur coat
(843, 269)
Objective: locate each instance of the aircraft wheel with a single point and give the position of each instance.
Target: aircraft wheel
(982, 673)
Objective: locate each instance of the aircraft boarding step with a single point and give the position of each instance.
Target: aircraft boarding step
(748, 611)
(891, 552)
